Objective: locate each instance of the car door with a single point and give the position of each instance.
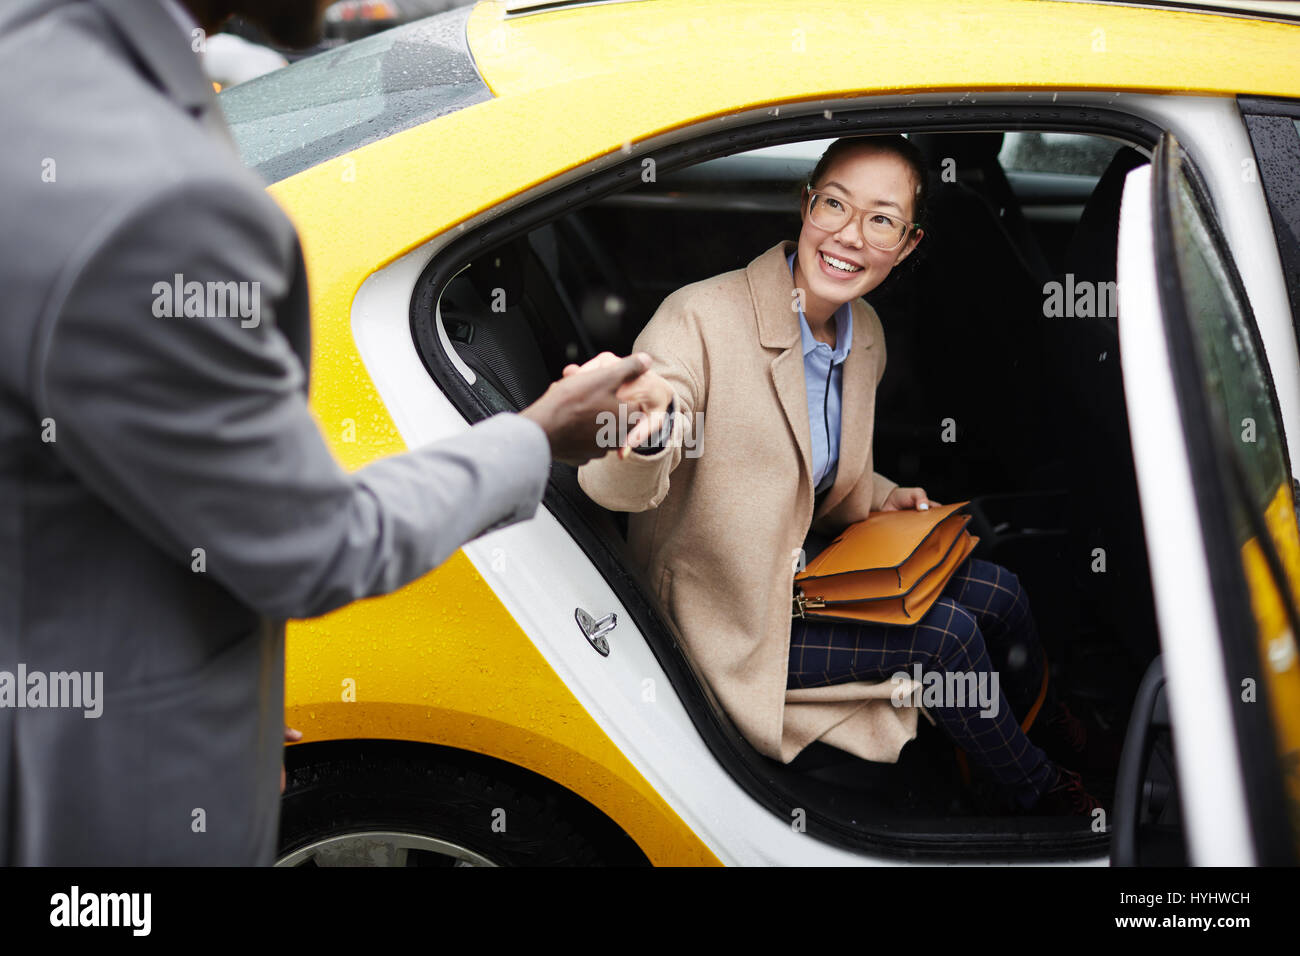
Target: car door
(1218, 508)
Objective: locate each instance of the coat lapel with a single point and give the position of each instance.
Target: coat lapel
(772, 289)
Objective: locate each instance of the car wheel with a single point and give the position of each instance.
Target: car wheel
(393, 811)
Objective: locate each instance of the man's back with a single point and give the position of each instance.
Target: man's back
(189, 672)
(165, 497)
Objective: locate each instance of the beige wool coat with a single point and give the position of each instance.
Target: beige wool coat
(718, 528)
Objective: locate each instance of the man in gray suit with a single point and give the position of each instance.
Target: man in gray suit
(166, 499)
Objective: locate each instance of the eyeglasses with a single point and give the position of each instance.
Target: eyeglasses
(880, 229)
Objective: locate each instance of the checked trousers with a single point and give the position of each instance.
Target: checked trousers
(981, 621)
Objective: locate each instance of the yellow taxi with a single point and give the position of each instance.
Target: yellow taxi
(1099, 347)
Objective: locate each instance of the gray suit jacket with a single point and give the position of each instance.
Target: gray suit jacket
(129, 440)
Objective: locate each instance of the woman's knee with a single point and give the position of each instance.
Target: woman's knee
(995, 591)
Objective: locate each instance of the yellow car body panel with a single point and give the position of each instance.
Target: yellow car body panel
(1279, 658)
(683, 55)
(441, 660)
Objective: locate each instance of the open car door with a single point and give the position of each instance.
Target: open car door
(1218, 509)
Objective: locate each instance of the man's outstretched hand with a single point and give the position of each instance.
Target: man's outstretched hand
(568, 410)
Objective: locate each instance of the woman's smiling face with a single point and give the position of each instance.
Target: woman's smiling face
(872, 181)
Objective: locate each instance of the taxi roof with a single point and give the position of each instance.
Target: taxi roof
(752, 47)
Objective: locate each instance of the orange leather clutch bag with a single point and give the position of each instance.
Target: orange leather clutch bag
(886, 569)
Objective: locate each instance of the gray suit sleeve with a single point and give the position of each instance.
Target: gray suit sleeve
(197, 431)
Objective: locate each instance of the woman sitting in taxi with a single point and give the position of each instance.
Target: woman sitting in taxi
(782, 359)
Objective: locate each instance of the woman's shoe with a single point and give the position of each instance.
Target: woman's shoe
(1067, 739)
(1066, 798)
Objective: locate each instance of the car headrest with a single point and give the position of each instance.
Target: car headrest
(1093, 246)
(968, 149)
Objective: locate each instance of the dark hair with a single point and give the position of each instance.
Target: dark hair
(895, 145)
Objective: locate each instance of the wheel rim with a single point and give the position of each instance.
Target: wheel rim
(383, 848)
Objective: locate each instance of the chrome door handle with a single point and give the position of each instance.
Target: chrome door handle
(594, 631)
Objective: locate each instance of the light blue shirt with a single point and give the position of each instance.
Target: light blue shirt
(823, 372)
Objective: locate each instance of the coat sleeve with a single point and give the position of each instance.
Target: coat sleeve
(677, 351)
(196, 428)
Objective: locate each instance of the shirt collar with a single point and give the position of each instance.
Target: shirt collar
(843, 327)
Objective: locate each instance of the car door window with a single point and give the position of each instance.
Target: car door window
(1238, 387)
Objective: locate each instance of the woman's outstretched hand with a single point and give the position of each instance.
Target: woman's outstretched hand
(648, 394)
(570, 410)
(901, 499)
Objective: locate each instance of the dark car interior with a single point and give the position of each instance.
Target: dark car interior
(1041, 447)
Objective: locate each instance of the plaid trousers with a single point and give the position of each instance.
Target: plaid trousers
(981, 619)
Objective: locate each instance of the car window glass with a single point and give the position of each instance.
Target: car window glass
(1073, 153)
(334, 102)
(1235, 374)
(1240, 391)
(808, 150)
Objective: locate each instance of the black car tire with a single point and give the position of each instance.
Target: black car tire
(330, 805)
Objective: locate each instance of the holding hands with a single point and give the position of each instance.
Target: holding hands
(568, 410)
(649, 394)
